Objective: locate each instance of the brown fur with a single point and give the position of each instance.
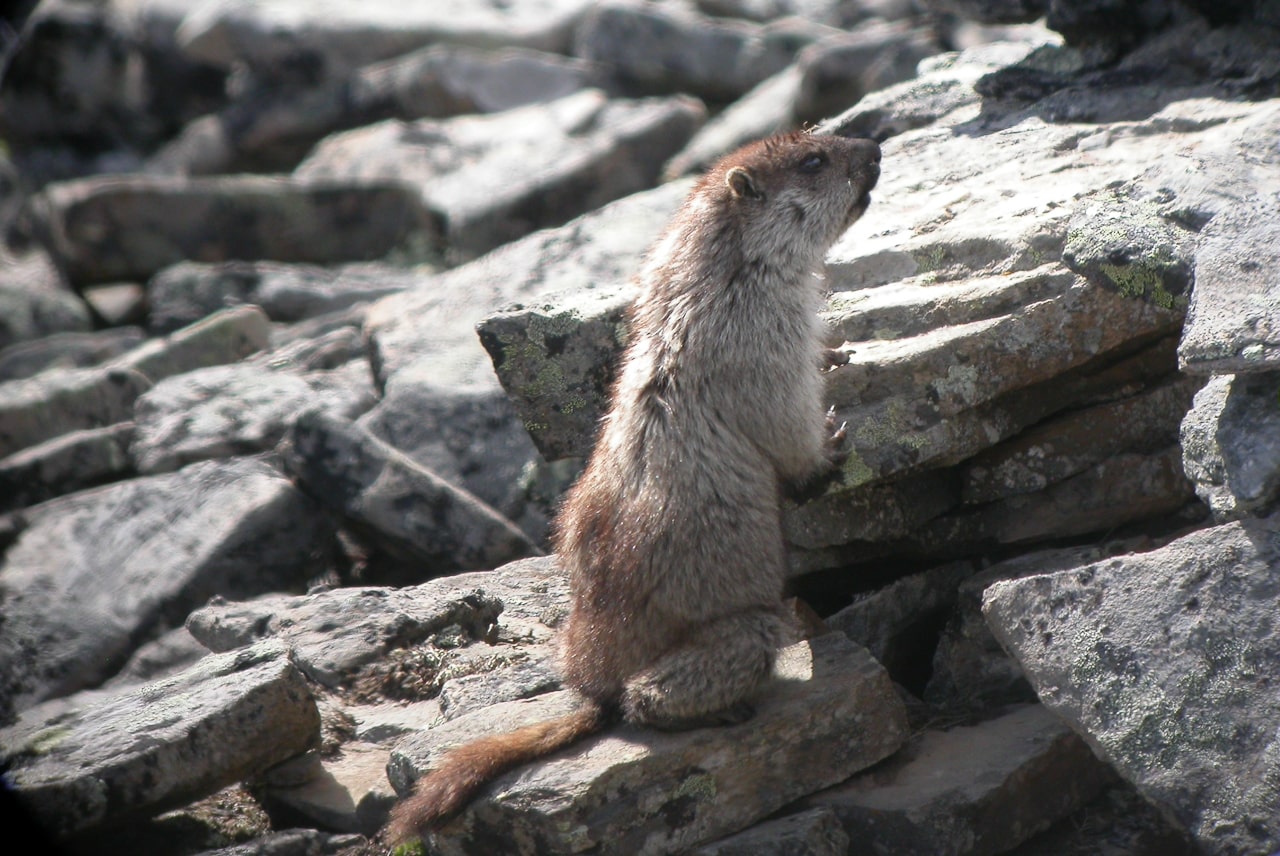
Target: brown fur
(672, 537)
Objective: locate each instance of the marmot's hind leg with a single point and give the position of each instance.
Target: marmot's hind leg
(708, 680)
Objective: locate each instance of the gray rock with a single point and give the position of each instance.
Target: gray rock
(66, 351)
(227, 718)
(1124, 243)
(188, 291)
(35, 301)
(65, 463)
(271, 128)
(292, 842)
(653, 50)
(764, 110)
(430, 330)
(838, 71)
(1160, 661)
(499, 177)
(96, 574)
(1069, 444)
(1233, 324)
(130, 227)
(971, 672)
(334, 634)
(239, 409)
(47, 405)
(280, 32)
(884, 620)
(470, 437)
(1231, 444)
(832, 712)
(400, 506)
(993, 11)
(1118, 821)
(816, 832)
(944, 84)
(224, 337)
(530, 674)
(972, 789)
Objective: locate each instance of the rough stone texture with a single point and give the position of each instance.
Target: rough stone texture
(333, 634)
(342, 36)
(96, 574)
(292, 842)
(634, 791)
(68, 462)
(188, 291)
(429, 331)
(816, 832)
(971, 672)
(651, 49)
(272, 130)
(400, 506)
(66, 351)
(499, 177)
(130, 227)
(223, 337)
(973, 789)
(1064, 446)
(238, 409)
(37, 408)
(884, 620)
(470, 437)
(838, 71)
(1231, 444)
(35, 301)
(162, 745)
(1233, 324)
(1161, 661)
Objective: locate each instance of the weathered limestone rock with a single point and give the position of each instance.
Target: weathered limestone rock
(499, 177)
(333, 634)
(342, 36)
(972, 789)
(69, 350)
(227, 718)
(1069, 444)
(1160, 660)
(816, 832)
(188, 291)
(1231, 444)
(96, 574)
(837, 71)
(68, 462)
(34, 409)
(832, 711)
(431, 328)
(401, 507)
(1233, 324)
(129, 227)
(653, 50)
(223, 337)
(240, 409)
(35, 301)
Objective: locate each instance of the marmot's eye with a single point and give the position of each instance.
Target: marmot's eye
(813, 163)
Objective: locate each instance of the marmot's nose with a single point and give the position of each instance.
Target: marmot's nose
(864, 160)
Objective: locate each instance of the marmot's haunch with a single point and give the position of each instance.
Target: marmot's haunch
(672, 536)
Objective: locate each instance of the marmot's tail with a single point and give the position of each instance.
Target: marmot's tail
(450, 784)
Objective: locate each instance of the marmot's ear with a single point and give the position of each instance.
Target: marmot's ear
(742, 184)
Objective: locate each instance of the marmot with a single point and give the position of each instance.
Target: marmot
(672, 535)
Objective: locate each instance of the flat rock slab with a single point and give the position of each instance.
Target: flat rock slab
(401, 506)
(1231, 443)
(831, 712)
(33, 410)
(816, 832)
(116, 228)
(1163, 661)
(333, 633)
(229, 717)
(974, 789)
(98, 573)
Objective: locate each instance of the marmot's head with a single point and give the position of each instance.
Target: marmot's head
(795, 194)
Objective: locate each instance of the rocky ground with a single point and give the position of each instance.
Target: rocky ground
(307, 312)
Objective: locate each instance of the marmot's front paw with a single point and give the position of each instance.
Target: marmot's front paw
(835, 450)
